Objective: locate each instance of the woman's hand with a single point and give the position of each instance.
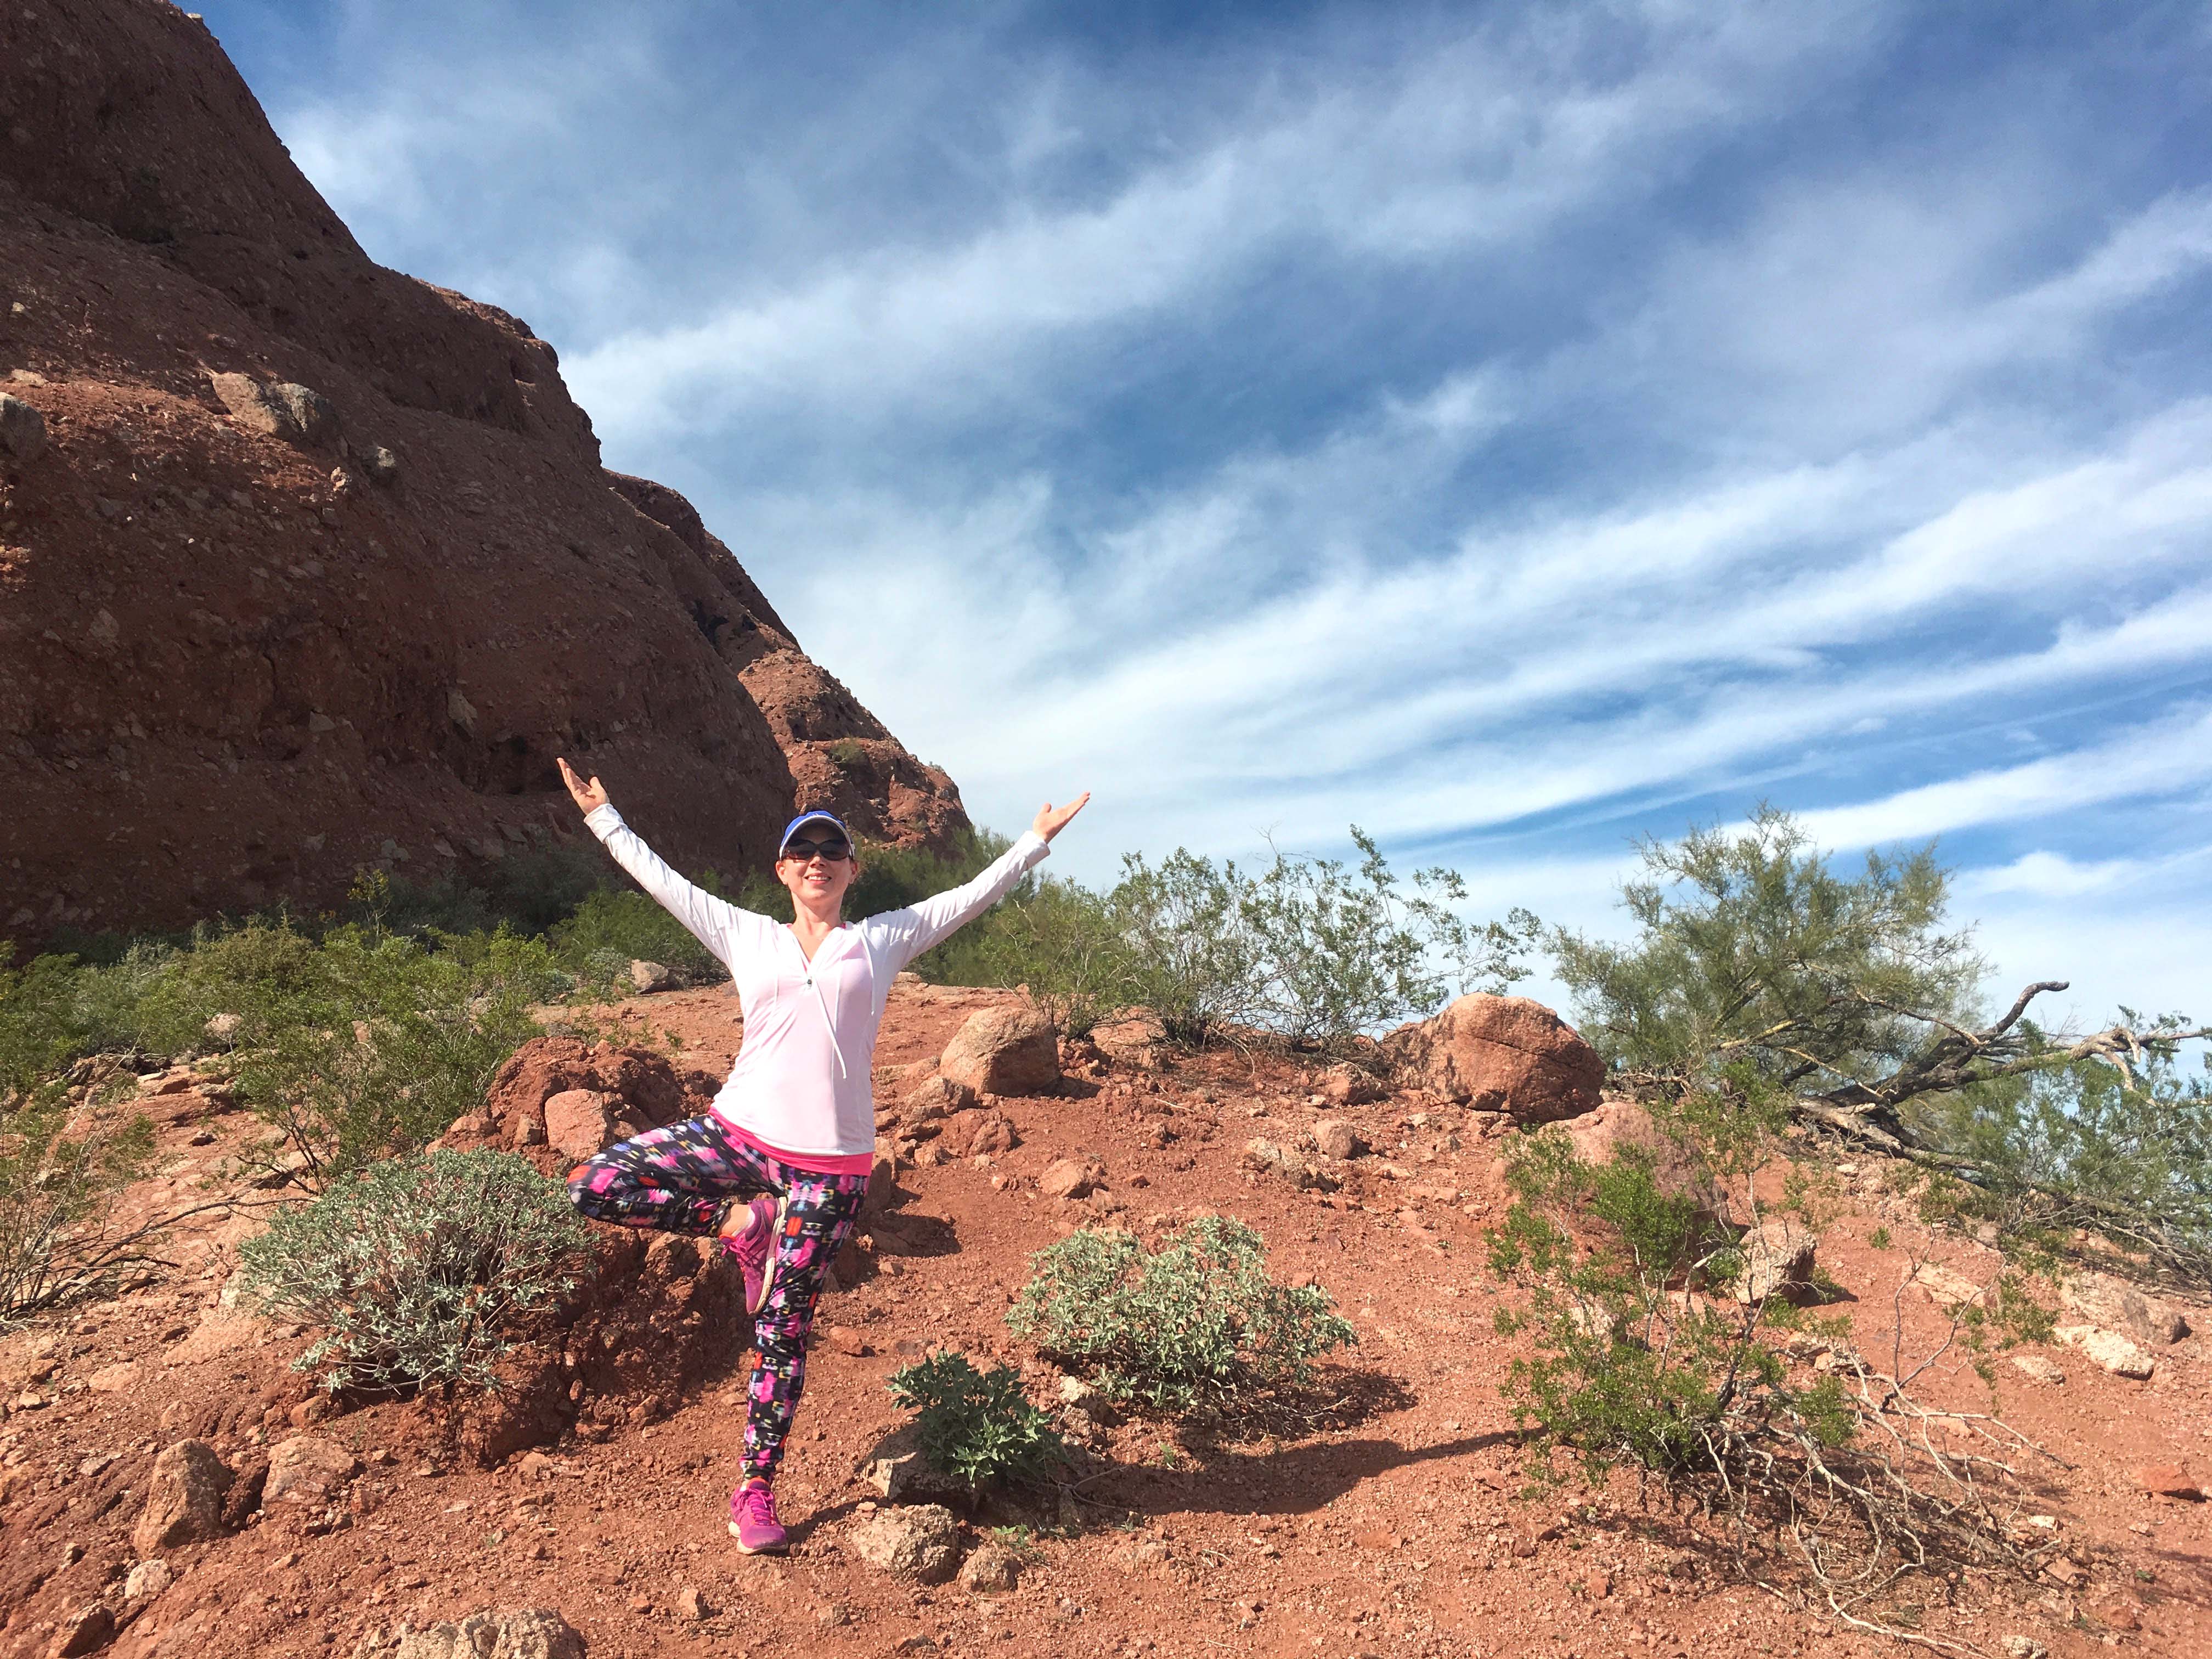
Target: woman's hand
(1051, 820)
(590, 797)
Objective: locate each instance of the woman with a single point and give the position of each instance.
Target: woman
(779, 1166)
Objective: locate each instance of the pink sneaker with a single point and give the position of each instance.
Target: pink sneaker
(755, 1250)
(752, 1519)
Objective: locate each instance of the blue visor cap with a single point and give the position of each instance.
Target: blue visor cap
(792, 828)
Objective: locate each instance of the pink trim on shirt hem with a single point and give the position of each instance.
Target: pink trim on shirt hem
(813, 1162)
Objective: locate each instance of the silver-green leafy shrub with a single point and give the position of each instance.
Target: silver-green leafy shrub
(1196, 1324)
(417, 1269)
(977, 1427)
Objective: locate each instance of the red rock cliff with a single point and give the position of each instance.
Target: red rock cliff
(253, 636)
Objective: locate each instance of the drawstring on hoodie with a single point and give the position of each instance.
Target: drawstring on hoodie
(835, 1048)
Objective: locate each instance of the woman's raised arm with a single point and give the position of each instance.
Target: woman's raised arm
(911, 932)
(715, 923)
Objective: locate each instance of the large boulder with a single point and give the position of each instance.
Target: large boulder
(184, 1500)
(1500, 1054)
(1004, 1051)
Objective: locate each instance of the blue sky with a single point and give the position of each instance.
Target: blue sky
(1513, 429)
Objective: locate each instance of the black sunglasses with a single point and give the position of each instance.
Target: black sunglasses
(832, 850)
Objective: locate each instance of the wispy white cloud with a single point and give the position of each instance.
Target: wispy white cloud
(1511, 431)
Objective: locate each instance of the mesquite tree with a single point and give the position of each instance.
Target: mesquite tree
(1762, 977)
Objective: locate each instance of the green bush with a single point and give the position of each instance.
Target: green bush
(846, 753)
(611, 929)
(417, 1269)
(1059, 941)
(391, 1041)
(2129, 1153)
(57, 1200)
(1305, 950)
(40, 1029)
(1197, 1324)
(977, 1427)
(1643, 1356)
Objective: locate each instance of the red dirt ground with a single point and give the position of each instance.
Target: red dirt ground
(1399, 1532)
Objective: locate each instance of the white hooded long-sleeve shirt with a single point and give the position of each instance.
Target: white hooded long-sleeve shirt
(803, 1082)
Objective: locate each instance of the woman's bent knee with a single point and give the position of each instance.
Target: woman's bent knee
(591, 1184)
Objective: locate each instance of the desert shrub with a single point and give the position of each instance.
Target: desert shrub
(57, 1199)
(40, 1029)
(977, 1427)
(416, 1269)
(611, 929)
(1059, 940)
(391, 1042)
(1305, 948)
(1642, 1357)
(2127, 1152)
(1762, 977)
(1196, 1324)
(1191, 957)
(846, 753)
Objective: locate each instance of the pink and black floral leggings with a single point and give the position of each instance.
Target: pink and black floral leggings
(676, 1179)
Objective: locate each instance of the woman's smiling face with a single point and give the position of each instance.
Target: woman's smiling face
(818, 883)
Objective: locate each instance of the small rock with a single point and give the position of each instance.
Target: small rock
(2100, 1299)
(380, 464)
(1348, 1086)
(1598, 1584)
(993, 1570)
(1271, 1158)
(1004, 1051)
(23, 431)
(146, 1580)
(919, 1543)
(2169, 1480)
(222, 1028)
(2108, 1349)
(2121, 1614)
(2037, 1369)
(307, 1468)
(1947, 1288)
(1777, 1262)
(2025, 1647)
(119, 1378)
(1337, 1139)
(894, 1466)
(1069, 1177)
(647, 977)
(843, 1339)
(522, 1634)
(692, 1606)
(1134, 1039)
(315, 418)
(580, 1122)
(933, 1098)
(183, 1498)
(87, 1629)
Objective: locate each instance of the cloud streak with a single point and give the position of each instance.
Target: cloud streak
(1513, 431)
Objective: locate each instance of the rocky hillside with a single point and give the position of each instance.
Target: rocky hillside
(169, 1486)
(306, 564)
